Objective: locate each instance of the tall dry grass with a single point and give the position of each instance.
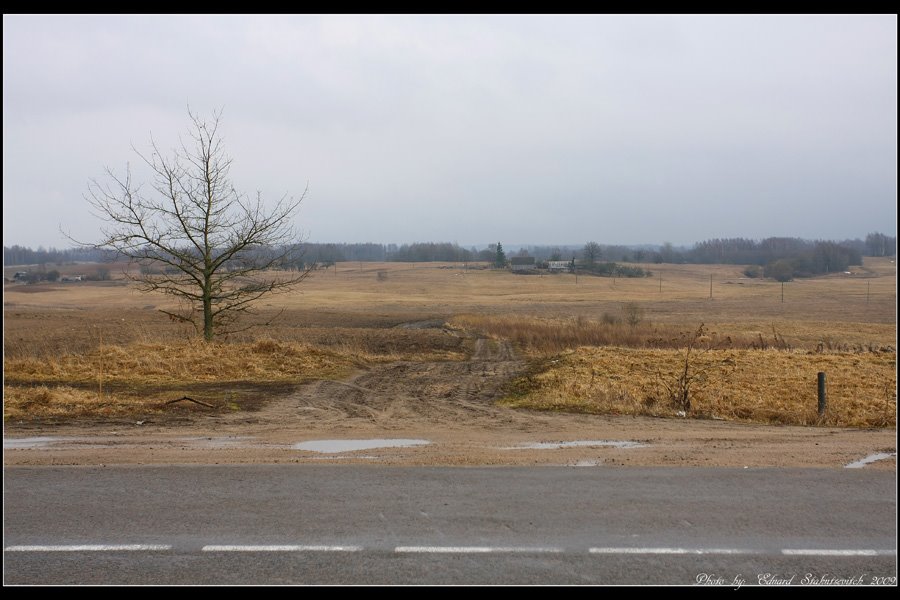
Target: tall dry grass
(545, 336)
(65, 402)
(763, 386)
(179, 362)
(125, 379)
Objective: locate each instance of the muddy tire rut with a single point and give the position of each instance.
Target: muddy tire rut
(397, 394)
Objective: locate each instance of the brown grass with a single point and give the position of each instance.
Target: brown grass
(767, 386)
(114, 380)
(337, 318)
(54, 402)
(50, 334)
(153, 364)
(384, 345)
(542, 337)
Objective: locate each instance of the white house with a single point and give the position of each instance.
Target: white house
(558, 266)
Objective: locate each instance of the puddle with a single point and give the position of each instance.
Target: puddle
(577, 444)
(859, 464)
(333, 446)
(28, 442)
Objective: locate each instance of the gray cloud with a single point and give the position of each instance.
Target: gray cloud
(620, 129)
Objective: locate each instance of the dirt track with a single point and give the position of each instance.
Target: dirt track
(407, 394)
(450, 404)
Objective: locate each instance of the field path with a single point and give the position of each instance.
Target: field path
(398, 394)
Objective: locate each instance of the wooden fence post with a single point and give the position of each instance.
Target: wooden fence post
(821, 386)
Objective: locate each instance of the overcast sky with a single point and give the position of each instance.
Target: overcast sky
(543, 130)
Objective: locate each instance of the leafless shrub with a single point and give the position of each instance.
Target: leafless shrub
(692, 374)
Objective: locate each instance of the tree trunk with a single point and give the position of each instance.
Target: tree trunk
(207, 314)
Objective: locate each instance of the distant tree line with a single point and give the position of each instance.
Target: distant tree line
(317, 253)
(878, 244)
(774, 256)
(823, 256)
(591, 262)
(810, 256)
(415, 252)
(332, 253)
(430, 252)
(608, 252)
(21, 255)
(786, 258)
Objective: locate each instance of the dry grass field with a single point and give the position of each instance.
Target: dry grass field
(101, 348)
(761, 386)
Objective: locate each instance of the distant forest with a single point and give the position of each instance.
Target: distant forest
(20, 255)
(778, 257)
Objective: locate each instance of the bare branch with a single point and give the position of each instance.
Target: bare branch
(193, 236)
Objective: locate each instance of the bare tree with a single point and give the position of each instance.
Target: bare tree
(591, 253)
(197, 238)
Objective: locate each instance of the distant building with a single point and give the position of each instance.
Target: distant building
(558, 265)
(522, 263)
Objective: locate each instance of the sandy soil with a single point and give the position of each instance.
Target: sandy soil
(451, 406)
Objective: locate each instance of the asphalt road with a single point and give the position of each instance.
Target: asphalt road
(389, 525)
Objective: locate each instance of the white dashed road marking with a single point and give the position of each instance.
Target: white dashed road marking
(93, 548)
(475, 549)
(833, 552)
(674, 551)
(281, 548)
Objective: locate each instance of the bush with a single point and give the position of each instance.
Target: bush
(611, 269)
(753, 272)
(609, 319)
(623, 271)
(634, 314)
(780, 270)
